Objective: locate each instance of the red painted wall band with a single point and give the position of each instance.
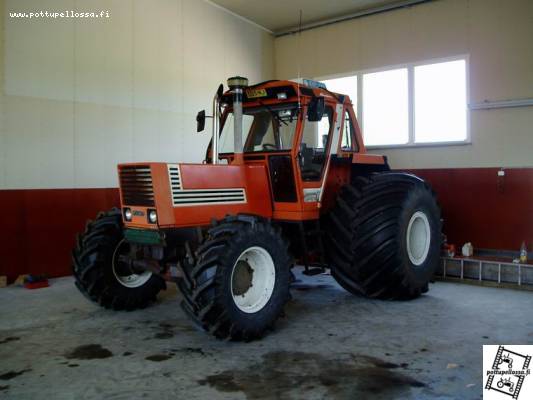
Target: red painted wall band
(478, 206)
(39, 227)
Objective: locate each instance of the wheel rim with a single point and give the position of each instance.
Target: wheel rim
(418, 238)
(123, 273)
(252, 279)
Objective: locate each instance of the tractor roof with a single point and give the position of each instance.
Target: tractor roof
(284, 90)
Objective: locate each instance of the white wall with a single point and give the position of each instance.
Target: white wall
(496, 34)
(80, 96)
(2, 102)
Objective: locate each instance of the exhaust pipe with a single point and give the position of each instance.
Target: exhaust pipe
(216, 119)
(236, 85)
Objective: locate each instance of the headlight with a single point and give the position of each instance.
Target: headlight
(127, 214)
(152, 216)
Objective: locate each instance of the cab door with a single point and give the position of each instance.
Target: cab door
(319, 140)
(283, 173)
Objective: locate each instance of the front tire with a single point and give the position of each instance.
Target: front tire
(236, 285)
(384, 236)
(101, 277)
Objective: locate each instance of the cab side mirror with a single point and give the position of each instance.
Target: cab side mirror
(315, 110)
(200, 121)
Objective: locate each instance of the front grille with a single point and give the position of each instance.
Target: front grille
(136, 185)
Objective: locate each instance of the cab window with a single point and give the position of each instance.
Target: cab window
(264, 128)
(315, 140)
(348, 142)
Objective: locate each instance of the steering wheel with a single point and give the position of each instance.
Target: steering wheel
(269, 146)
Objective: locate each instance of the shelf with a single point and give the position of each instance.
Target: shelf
(486, 269)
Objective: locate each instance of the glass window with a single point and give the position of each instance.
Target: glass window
(264, 129)
(345, 85)
(385, 107)
(440, 102)
(418, 103)
(227, 142)
(348, 142)
(315, 137)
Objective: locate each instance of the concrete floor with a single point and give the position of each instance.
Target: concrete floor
(54, 344)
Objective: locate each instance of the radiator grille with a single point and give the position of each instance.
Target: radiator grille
(175, 177)
(136, 185)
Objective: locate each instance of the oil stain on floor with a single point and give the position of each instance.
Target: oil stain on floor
(89, 352)
(13, 374)
(284, 373)
(9, 339)
(158, 357)
(305, 287)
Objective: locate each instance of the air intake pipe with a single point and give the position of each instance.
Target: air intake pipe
(236, 85)
(216, 121)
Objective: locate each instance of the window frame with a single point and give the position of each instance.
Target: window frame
(229, 111)
(328, 142)
(410, 100)
(354, 145)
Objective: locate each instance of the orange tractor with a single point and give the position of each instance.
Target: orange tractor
(286, 180)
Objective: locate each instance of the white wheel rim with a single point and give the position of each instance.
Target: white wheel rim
(418, 238)
(131, 280)
(262, 282)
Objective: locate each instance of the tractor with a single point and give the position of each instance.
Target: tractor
(286, 181)
(506, 359)
(506, 383)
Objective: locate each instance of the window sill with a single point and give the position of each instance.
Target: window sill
(417, 145)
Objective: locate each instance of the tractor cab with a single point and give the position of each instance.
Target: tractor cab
(305, 136)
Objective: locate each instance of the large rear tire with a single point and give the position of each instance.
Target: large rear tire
(237, 282)
(99, 274)
(384, 236)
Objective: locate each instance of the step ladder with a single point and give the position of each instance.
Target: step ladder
(486, 271)
(317, 233)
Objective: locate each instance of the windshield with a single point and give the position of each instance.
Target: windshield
(264, 128)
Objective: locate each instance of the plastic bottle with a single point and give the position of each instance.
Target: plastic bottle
(523, 253)
(468, 250)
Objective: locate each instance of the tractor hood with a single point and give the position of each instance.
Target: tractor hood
(183, 195)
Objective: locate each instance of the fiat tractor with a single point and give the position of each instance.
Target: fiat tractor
(286, 181)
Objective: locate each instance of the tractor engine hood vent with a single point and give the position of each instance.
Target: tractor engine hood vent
(196, 197)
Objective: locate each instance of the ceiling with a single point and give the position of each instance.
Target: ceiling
(280, 15)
